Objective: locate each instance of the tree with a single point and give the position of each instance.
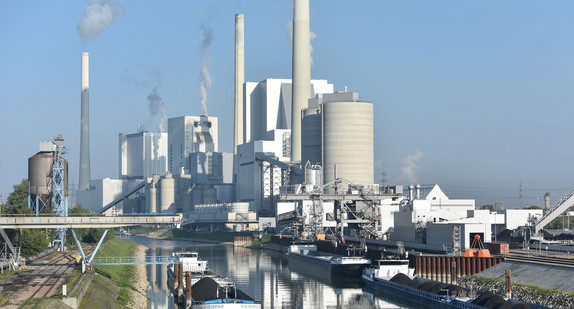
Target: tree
(34, 241)
(86, 235)
(17, 202)
(489, 207)
(533, 207)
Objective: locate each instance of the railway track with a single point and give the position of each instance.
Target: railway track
(48, 277)
(549, 260)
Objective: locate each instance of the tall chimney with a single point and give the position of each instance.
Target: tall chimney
(239, 80)
(301, 76)
(84, 183)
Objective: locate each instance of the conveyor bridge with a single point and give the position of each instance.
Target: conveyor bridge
(565, 202)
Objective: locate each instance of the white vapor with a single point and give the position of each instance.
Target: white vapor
(99, 15)
(409, 167)
(155, 107)
(312, 36)
(204, 77)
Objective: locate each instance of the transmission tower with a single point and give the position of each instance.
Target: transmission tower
(59, 194)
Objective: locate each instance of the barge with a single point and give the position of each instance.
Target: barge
(307, 256)
(196, 286)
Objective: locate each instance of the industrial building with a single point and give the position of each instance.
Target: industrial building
(189, 134)
(142, 154)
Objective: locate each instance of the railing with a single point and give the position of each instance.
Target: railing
(135, 260)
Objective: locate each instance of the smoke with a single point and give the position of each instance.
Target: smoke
(204, 77)
(409, 167)
(157, 107)
(99, 15)
(312, 36)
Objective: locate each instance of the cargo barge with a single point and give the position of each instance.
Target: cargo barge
(194, 285)
(307, 256)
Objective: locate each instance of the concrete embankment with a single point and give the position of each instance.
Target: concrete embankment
(532, 279)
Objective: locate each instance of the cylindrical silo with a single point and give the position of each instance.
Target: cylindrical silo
(39, 176)
(313, 175)
(348, 141)
(152, 193)
(311, 137)
(167, 194)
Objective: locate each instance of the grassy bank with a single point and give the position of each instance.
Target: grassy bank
(120, 276)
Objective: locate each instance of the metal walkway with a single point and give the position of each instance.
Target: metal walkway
(83, 222)
(135, 260)
(566, 202)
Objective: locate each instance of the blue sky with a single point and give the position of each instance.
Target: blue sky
(473, 95)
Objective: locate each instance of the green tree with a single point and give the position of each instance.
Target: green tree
(533, 207)
(17, 202)
(489, 207)
(34, 241)
(86, 235)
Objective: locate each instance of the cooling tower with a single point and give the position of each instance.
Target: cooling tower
(301, 72)
(84, 181)
(348, 141)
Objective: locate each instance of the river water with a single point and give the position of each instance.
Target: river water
(265, 276)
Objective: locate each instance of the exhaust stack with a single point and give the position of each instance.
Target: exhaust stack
(301, 83)
(84, 181)
(239, 80)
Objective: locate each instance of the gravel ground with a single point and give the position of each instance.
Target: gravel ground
(520, 293)
(141, 284)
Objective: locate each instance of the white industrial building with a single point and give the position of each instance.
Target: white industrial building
(211, 167)
(267, 106)
(104, 191)
(189, 134)
(259, 181)
(142, 154)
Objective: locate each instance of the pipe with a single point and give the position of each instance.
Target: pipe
(301, 76)
(187, 289)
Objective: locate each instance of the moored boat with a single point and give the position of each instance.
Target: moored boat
(306, 255)
(195, 285)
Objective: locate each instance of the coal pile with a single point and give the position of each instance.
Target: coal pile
(432, 287)
(403, 279)
(207, 289)
(521, 306)
(493, 301)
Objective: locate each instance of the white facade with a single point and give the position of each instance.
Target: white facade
(104, 191)
(251, 179)
(211, 167)
(142, 154)
(189, 134)
(440, 234)
(327, 215)
(267, 105)
(435, 207)
(519, 217)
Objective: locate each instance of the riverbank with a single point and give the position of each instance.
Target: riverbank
(119, 286)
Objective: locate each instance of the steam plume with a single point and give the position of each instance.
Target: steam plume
(409, 167)
(312, 36)
(99, 15)
(204, 77)
(155, 107)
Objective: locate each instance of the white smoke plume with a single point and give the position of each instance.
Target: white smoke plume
(204, 77)
(312, 36)
(410, 164)
(99, 15)
(155, 107)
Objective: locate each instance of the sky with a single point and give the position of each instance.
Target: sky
(475, 96)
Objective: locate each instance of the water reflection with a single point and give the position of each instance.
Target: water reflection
(263, 275)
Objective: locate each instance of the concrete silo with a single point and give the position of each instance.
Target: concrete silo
(167, 194)
(311, 137)
(347, 138)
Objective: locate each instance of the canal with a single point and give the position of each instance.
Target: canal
(264, 275)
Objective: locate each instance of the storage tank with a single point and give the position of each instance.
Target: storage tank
(167, 194)
(39, 169)
(152, 194)
(313, 175)
(348, 141)
(311, 137)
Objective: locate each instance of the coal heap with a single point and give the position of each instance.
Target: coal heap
(207, 289)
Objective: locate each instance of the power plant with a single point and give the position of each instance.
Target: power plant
(302, 164)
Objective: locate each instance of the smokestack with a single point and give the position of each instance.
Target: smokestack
(301, 76)
(239, 80)
(84, 183)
